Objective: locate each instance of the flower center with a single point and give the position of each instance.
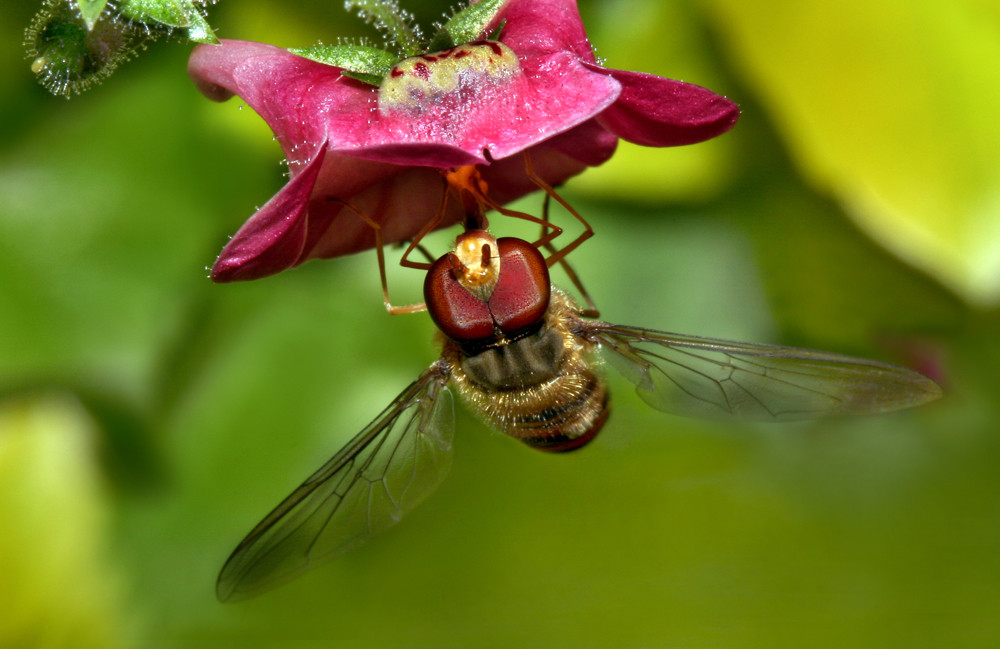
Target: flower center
(461, 73)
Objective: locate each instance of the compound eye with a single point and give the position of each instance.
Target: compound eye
(459, 314)
(521, 296)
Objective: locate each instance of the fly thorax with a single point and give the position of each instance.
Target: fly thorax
(523, 363)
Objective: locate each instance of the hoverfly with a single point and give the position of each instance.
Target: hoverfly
(522, 354)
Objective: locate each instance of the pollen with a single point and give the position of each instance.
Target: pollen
(419, 82)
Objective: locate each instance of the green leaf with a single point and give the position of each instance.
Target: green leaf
(467, 25)
(368, 64)
(90, 10)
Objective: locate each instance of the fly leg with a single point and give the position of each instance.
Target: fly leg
(379, 252)
(560, 256)
(588, 231)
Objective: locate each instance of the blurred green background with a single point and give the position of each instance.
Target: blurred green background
(149, 418)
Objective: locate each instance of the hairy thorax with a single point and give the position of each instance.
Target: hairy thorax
(537, 388)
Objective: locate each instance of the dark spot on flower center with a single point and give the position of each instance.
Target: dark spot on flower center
(421, 71)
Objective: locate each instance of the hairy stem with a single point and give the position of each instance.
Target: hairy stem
(388, 17)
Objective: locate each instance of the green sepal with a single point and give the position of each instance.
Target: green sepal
(180, 14)
(370, 79)
(467, 25)
(495, 34)
(368, 64)
(90, 11)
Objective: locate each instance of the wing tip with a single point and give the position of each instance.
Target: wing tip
(923, 390)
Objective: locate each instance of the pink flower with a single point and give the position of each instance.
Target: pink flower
(537, 89)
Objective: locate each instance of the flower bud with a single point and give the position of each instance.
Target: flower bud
(67, 55)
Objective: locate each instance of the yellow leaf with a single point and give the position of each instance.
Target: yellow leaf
(892, 108)
(58, 588)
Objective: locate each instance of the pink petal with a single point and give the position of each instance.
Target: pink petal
(430, 154)
(589, 143)
(507, 180)
(552, 94)
(561, 107)
(654, 111)
(304, 102)
(541, 27)
(288, 91)
(402, 202)
(273, 239)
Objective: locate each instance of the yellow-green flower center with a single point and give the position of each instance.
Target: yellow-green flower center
(418, 82)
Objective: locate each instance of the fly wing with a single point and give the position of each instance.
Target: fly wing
(706, 377)
(382, 473)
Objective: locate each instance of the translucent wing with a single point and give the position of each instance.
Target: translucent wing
(384, 472)
(706, 377)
